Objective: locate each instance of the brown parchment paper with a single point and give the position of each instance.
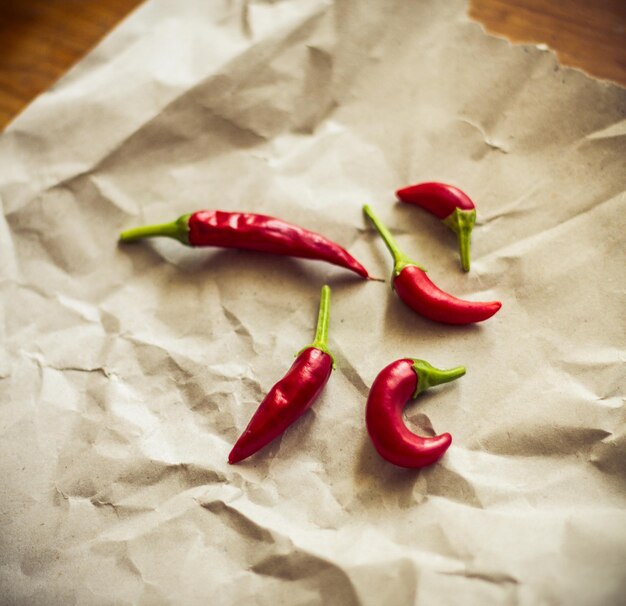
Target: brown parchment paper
(127, 372)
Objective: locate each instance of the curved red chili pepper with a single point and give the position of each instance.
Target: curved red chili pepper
(393, 387)
(418, 291)
(449, 204)
(293, 395)
(252, 232)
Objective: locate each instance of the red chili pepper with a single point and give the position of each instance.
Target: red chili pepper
(393, 387)
(251, 232)
(415, 288)
(293, 394)
(449, 204)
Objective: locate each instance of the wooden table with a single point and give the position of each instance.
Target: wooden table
(41, 39)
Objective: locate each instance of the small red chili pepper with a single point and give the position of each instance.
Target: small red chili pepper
(293, 395)
(449, 204)
(393, 387)
(252, 232)
(415, 288)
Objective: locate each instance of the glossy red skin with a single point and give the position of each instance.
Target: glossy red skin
(266, 234)
(438, 199)
(289, 399)
(416, 289)
(392, 389)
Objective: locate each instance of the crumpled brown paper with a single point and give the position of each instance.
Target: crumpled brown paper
(128, 372)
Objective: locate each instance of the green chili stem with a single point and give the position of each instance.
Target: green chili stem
(462, 222)
(400, 259)
(464, 249)
(429, 376)
(323, 318)
(179, 230)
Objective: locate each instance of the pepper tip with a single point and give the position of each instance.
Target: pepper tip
(491, 309)
(234, 457)
(400, 193)
(446, 439)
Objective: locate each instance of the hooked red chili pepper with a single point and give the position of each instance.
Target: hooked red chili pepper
(416, 289)
(393, 387)
(293, 395)
(252, 232)
(448, 203)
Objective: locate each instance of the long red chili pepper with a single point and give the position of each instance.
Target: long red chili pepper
(393, 387)
(448, 203)
(252, 232)
(415, 288)
(293, 394)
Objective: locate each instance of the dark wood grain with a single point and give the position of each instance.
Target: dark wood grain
(590, 35)
(41, 39)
